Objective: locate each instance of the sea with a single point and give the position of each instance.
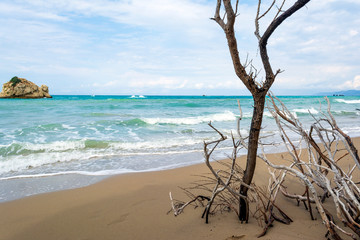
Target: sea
(74, 141)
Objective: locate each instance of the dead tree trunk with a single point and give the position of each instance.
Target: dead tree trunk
(248, 78)
(254, 134)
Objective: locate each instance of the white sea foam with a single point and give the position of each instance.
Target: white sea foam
(269, 115)
(108, 172)
(162, 153)
(65, 126)
(159, 144)
(133, 135)
(68, 146)
(354, 130)
(86, 173)
(228, 132)
(306, 110)
(218, 117)
(57, 146)
(30, 155)
(249, 114)
(19, 162)
(348, 101)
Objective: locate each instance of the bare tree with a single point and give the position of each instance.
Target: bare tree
(223, 184)
(248, 75)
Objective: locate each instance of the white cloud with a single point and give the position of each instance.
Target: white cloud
(189, 15)
(157, 82)
(7, 9)
(353, 32)
(354, 84)
(199, 85)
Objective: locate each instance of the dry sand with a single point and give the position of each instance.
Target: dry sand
(135, 206)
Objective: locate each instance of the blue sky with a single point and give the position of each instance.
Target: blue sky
(172, 47)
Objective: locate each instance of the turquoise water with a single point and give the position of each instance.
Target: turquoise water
(106, 135)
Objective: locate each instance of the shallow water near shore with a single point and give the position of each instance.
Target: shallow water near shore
(74, 141)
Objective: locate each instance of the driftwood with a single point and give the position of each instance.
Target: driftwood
(316, 163)
(318, 167)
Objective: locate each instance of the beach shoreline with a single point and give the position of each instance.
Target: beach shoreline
(135, 206)
(84, 139)
(21, 186)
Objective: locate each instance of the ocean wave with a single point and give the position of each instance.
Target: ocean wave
(158, 145)
(45, 127)
(187, 131)
(354, 130)
(42, 128)
(100, 114)
(65, 126)
(345, 113)
(268, 114)
(17, 172)
(229, 132)
(293, 113)
(17, 149)
(132, 122)
(58, 147)
(193, 105)
(26, 148)
(218, 117)
(305, 110)
(86, 173)
(348, 101)
(105, 172)
(20, 156)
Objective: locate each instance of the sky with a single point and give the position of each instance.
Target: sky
(172, 47)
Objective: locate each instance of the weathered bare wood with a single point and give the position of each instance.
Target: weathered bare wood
(340, 187)
(353, 151)
(257, 90)
(270, 77)
(179, 207)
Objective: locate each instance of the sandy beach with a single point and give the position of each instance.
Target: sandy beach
(135, 206)
(110, 108)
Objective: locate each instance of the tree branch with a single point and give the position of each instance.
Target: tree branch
(269, 78)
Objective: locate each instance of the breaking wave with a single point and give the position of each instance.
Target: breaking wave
(218, 117)
(305, 111)
(348, 101)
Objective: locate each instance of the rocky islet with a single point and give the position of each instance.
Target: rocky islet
(23, 88)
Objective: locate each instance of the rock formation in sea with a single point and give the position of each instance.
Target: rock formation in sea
(22, 88)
